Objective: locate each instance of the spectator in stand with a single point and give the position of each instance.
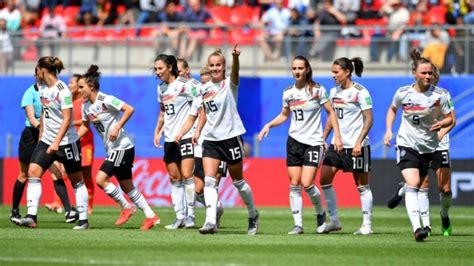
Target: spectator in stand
(88, 12)
(12, 15)
(107, 12)
(52, 27)
(149, 10)
(195, 13)
(469, 17)
(276, 21)
(300, 5)
(398, 17)
(169, 18)
(324, 45)
(6, 48)
(30, 10)
(437, 42)
(419, 19)
(297, 39)
(456, 8)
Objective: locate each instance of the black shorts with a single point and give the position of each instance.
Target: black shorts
(409, 158)
(175, 153)
(69, 155)
(441, 159)
(199, 169)
(345, 161)
(119, 163)
(28, 142)
(299, 154)
(228, 150)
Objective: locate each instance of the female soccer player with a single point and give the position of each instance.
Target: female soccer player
(175, 95)
(417, 139)
(31, 103)
(441, 165)
(103, 111)
(353, 107)
(305, 145)
(222, 137)
(87, 145)
(59, 141)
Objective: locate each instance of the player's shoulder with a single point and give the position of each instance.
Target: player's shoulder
(289, 87)
(101, 96)
(61, 86)
(405, 88)
(182, 80)
(438, 90)
(359, 86)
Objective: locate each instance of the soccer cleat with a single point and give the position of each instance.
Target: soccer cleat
(446, 228)
(54, 207)
(148, 223)
(178, 223)
(365, 229)
(28, 222)
(332, 226)
(420, 235)
(219, 213)
(190, 222)
(15, 216)
(395, 199)
(125, 215)
(208, 228)
(427, 230)
(297, 230)
(71, 216)
(253, 225)
(82, 225)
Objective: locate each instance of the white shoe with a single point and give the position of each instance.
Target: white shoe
(320, 229)
(365, 229)
(178, 223)
(333, 226)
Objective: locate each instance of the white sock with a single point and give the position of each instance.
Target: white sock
(402, 191)
(210, 197)
(366, 201)
(200, 198)
(424, 203)
(315, 197)
(330, 196)
(33, 195)
(139, 200)
(413, 208)
(116, 195)
(246, 195)
(177, 198)
(82, 199)
(296, 204)
(190, 195)
(445, 199)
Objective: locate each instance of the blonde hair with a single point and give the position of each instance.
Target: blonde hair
(205, 70)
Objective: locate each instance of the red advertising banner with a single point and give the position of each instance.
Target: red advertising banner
(267, 177)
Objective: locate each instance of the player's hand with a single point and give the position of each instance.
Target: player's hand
(236, 50)
(436, 126)
(156, 140)
(52, 148)
(338, 144)
(326, 147)
(195, 137)
(387, 138)
(114, 134)
(263, 133)
(356, 151)
(178, 138)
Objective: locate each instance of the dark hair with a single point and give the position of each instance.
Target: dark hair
(76, 76)
(353, 65)
(417, 60)
(170, 61)
(92, 77)
(54, 65)
(309, 76)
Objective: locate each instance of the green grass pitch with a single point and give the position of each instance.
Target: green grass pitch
(55, 243)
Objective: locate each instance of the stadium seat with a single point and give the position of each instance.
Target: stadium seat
(244, 15)
(70, 14)
(221, 14)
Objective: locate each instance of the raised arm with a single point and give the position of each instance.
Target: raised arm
(234, 74)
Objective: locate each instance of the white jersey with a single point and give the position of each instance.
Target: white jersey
(104, 114)
(306, 113)
(419, 111)
(444, 143)
(220, 103)
(348, 105)
(53, 101)
(176, 98)
(196, 105)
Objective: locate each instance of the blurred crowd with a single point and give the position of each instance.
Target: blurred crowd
(312, 28)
